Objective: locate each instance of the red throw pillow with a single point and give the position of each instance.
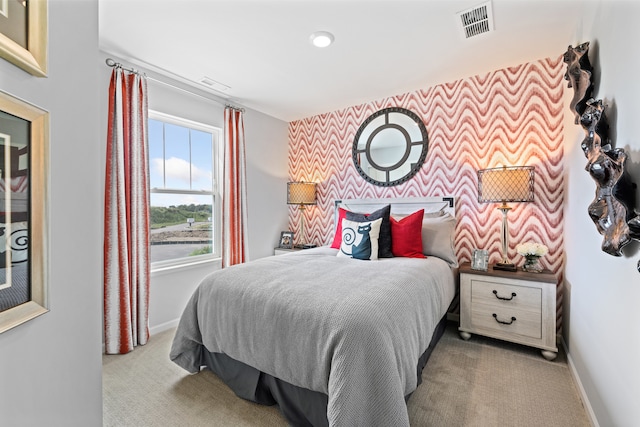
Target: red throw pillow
(337, 239)
(406, 235)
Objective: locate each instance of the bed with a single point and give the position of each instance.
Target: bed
(333, 340)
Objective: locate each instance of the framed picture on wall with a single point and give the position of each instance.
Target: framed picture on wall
(286, 240)
(23, 35)
(24, 168)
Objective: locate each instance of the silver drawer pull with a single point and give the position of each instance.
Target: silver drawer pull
(495, 316)
(513, 295)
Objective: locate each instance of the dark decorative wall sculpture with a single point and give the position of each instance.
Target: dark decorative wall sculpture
(612, 209)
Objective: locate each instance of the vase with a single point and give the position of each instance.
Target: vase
(532, 264)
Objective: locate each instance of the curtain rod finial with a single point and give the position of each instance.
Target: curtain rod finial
(233, 107)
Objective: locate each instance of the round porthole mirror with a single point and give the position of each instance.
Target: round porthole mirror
(390, 146)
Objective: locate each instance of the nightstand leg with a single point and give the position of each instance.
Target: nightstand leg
(549, 355)
(465, 335)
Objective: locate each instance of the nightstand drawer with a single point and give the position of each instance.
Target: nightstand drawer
(499, 295)
(507, 321)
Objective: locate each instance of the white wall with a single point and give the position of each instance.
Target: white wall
(602, 312)
(267, 176)
(266, 153)
(50, 367)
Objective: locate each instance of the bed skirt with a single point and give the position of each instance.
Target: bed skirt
(300, 406)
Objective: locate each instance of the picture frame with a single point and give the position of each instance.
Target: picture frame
(286, 240)
(480, 260)
(24, 171)
(33, 57)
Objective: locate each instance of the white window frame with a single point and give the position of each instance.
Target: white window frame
(216, 192)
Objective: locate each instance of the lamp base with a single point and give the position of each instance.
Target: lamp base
(504, 266)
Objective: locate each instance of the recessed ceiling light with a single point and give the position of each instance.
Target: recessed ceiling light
(321, 38)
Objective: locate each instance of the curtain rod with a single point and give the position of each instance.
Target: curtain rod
(114, 64)
(233, 107)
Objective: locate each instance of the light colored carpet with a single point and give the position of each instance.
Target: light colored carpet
(480, 382)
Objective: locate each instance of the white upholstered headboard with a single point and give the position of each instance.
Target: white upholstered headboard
(399, 206)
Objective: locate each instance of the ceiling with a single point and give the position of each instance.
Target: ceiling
(260, 49)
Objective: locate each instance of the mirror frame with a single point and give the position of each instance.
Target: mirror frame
(356, 152)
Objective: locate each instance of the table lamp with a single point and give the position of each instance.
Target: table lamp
(505, 185)
(301, 194)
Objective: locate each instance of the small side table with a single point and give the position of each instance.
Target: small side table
(516, 306)
(282, 251)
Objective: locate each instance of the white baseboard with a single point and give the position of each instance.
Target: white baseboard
(578, 383)
(163, 327)
(155, 329)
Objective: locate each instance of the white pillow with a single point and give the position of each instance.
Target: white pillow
(437, 238)
(360, 239)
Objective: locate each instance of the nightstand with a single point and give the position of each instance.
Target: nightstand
(513, 306)
(282, 251)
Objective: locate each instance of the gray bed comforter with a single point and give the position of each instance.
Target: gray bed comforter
(349, 328)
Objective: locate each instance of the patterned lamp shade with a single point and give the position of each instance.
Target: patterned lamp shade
(301, 193)
(506, 184)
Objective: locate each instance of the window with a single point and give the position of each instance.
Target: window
(183, 176)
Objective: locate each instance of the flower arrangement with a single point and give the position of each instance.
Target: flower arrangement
(532, 249)
(532, 252)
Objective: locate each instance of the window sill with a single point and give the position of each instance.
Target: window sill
(215, 263)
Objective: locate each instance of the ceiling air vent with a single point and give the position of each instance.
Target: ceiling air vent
(476, 20)
(212, 84)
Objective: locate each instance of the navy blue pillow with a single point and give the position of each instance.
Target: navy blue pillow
(384, 240)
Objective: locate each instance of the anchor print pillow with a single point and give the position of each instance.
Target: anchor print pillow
(360, 239)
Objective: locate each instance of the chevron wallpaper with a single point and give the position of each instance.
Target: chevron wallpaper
(512, 116)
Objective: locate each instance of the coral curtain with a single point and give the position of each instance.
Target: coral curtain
(126, 227)
(234, 212)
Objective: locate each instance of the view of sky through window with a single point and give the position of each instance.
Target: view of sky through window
(179, 159)
(181, 167)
